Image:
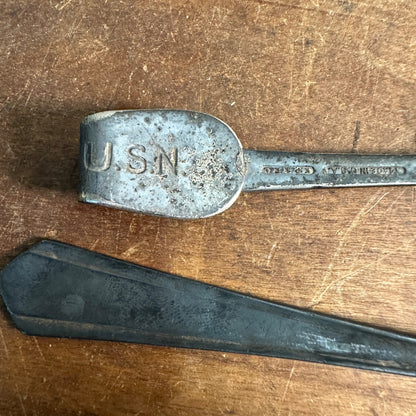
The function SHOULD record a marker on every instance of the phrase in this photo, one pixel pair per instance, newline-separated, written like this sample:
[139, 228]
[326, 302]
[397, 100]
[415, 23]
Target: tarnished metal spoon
[184, 164]
[58, 290]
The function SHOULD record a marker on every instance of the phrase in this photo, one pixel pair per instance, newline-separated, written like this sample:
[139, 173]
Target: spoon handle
[268, 170]
[54, 289]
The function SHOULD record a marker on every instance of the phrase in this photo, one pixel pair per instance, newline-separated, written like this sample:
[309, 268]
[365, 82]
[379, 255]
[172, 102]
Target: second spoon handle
[54, 289]
[268, 170]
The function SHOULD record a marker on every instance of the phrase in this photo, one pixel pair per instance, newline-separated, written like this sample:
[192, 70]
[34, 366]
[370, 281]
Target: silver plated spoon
[189, 165]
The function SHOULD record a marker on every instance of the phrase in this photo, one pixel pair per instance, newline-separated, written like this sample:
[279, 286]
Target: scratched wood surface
[318, 75]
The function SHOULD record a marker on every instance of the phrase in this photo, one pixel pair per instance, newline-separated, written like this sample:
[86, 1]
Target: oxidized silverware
[54, 289]
[183, 164]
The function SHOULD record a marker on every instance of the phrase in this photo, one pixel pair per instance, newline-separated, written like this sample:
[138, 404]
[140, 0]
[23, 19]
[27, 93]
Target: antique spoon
[185, 164]
[54, 289]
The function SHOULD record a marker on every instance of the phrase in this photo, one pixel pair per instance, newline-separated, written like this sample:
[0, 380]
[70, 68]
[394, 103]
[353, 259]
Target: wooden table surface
[300, 75]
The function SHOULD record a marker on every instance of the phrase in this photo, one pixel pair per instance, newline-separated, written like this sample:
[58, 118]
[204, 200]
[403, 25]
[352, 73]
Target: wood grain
[323, 75]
